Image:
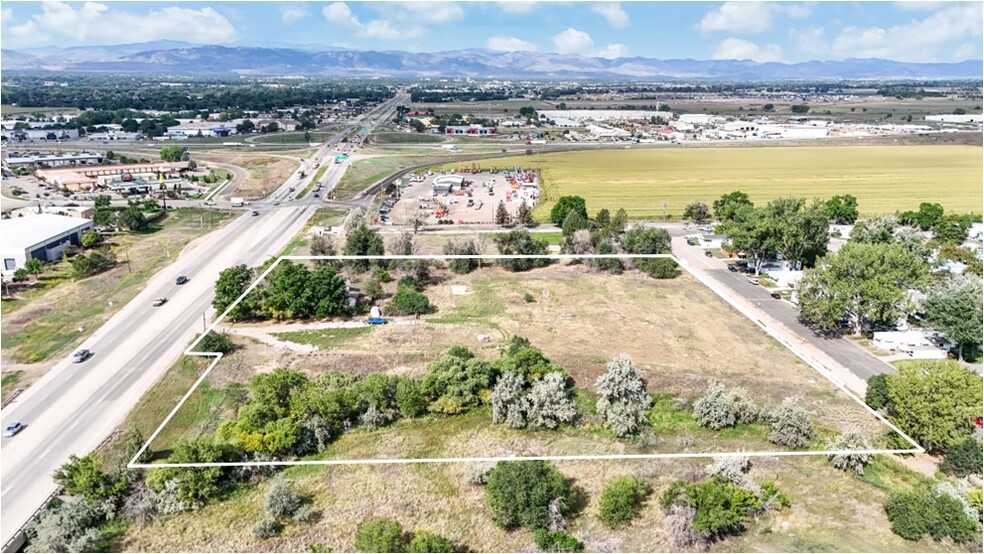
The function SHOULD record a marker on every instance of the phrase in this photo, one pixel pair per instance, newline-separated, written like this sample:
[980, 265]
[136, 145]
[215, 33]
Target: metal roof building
[41, 236]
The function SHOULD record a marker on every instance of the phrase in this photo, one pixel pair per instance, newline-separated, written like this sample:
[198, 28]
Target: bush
[659, 268]
[303, 514]
[96, 262]
[548, 403]
[519, 493]
[914, 514]
[408, 301]
[266, 528]
[379, 535]
[464, 248]
[216, 342]
[556, 541]
[507, 401]
[91, 238]
[791, 426]
[732, 468]
[454, 384]
[409, 399]
[963, 458]
[720, 408]
[68, 527]
[520, 242]
[425, 542]
[528, 298]
[477, 473]
[624, 400]
[720, 508]
[621, 500]
[279, 500]
[877, 394]
[85, 478]
[564, 206]
[855, 462]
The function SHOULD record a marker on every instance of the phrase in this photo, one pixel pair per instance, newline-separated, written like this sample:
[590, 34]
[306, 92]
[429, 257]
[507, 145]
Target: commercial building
[39, 237]
[446, 184]
[478, 130]
[90, 177]
[17, 159]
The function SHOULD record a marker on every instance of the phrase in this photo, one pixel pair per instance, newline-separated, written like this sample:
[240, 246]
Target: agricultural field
[883, 178]
[680, 335]
[46, 320]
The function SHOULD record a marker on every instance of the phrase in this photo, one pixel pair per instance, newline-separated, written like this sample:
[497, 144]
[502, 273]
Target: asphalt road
[859, 361]
[74, 407]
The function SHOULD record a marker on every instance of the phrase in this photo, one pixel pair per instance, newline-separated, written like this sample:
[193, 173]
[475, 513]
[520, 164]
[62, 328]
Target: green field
[883, 178]
[405, 138]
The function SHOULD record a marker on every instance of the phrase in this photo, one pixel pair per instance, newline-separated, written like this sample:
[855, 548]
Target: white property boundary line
[816, 365]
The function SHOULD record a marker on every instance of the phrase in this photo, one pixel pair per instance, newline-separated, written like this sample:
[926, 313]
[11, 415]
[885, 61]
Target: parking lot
[473, 202]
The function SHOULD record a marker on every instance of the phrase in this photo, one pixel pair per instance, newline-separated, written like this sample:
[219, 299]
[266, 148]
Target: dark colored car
[181, 280]
[776, 295]
[255, 213]
[708, 253]
[732, 269]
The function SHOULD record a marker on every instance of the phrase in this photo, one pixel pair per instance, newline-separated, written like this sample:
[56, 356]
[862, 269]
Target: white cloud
[292, 12]
[920, 6]
[509, 44]
[740, 49]
[400, 13]
[612, 12]
[28, 31]
[737, 17]
[517, 7]
[340, 15]
[613, 51]
[939, 36]
[93, 19]
[811, 40]
[750, 17]
[6, 15]
[573, 41]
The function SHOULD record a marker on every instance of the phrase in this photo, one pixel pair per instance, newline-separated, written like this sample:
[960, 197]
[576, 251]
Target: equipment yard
[460, 198]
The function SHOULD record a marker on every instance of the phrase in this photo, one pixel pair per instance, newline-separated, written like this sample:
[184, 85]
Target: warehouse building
[42, 237]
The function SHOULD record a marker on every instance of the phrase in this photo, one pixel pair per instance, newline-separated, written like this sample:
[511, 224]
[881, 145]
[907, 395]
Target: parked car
[376, 321]
[182, 279]
[708, 253]
[13, 429]
[81, 355]
[753, 280]
[158, 302]
[732, 268]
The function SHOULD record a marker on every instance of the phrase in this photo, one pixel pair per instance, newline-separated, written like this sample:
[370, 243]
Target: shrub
[477, 473]
[303, 514]
[520, 242]
[659, 268]
[408, 301]
[90, 239]
[877, 394]
[216, 342]
[621, 500]
[548, 403]
[453, 384]
[85, 478]
[720, 408]
[732, 468]
[528, 298]
[519, 493]
[464, 248]
[791, 426]
[507, 400]
[720, 508]
[624, 400]
[425, 542]
[564, 206]
[409, 399]
[279, 500]
[855, 462]
[379, 535]
[556, 541]
[68, 527]
[941, 515]
[963, 458]
[266, 528]
[193, 484]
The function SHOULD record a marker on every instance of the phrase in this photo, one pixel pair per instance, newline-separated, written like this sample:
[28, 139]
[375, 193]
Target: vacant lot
[883, 178]
[264, 173]
[51, 318]
[363, 173]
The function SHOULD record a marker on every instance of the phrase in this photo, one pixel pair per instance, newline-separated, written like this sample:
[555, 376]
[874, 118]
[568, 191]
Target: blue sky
[761, 31]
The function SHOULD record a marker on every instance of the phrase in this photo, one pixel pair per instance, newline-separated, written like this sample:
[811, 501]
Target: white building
[918, 343]
[446, 184]
[955, 118]
[43, 237]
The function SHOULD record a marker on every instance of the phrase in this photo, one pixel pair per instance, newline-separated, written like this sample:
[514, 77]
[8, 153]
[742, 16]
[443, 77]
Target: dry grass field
[264, 173]
[883, 178]
[679, 333]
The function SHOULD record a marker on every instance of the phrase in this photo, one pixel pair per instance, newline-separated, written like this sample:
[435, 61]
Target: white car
[13, 429]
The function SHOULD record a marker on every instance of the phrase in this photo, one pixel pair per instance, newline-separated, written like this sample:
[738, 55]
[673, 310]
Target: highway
[74, 407]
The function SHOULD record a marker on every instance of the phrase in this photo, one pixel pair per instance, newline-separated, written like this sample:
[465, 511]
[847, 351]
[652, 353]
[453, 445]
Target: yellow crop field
[883, 178]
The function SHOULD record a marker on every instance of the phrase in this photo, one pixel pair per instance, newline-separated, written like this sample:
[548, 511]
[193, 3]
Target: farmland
[883, 178]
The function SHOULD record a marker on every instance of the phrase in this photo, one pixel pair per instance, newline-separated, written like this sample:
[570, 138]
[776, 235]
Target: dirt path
[265, 332]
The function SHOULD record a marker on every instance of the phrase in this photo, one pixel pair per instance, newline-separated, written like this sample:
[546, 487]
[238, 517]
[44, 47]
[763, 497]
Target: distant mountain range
[174, 57]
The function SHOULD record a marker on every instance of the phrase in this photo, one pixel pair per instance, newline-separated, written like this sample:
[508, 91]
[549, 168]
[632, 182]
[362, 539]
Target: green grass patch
[327, 217]
[293, 138]
[889, 475]
[324, 339]
[405, 138]
[364, 173]
[480, 306]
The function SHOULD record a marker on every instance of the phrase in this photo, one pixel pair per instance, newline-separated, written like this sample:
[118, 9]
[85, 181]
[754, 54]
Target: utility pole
[204, 323]
[128, 268]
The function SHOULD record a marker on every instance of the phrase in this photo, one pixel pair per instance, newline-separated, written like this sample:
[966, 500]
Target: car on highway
[13, 429]
[81, 356]
[753, 280]
[776, 295]
[182, 279]
[158, 302]
[255, 213]
[708, 253]
[732, 268]
[276, 203]
[210, 202]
